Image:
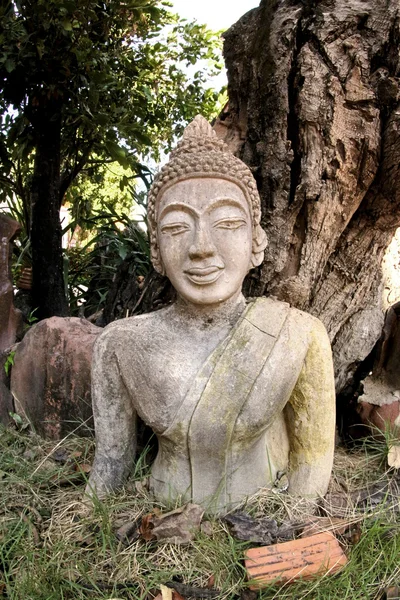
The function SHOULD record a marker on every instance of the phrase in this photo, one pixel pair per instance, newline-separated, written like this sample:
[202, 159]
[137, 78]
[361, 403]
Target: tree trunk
[48, 291]
[314, 111]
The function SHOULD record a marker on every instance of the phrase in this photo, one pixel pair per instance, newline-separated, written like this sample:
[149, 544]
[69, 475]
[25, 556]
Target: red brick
[304, 558]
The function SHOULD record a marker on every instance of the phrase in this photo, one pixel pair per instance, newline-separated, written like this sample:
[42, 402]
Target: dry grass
[52, 546]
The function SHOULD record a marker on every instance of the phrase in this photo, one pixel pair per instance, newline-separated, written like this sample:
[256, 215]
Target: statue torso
[159, 358]
[162, 360]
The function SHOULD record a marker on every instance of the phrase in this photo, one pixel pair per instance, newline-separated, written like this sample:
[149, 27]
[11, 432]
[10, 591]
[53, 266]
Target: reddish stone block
[51, 376]
[304, 558]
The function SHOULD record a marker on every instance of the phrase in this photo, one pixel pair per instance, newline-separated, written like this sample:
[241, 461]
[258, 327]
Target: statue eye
[175, 228]
[231, 223]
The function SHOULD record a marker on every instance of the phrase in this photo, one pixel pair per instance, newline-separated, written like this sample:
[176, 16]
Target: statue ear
[260, 242]
[156, 259]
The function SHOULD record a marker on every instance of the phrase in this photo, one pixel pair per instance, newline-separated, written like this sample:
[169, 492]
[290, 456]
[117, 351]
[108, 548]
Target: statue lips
[204, 275]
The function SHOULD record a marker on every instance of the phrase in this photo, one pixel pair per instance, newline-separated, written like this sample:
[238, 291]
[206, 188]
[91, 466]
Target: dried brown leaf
[175, 527]
[166, 592]
[391, 593]
[128, 533]
[83, 468]
[394, 457]
[146, 527]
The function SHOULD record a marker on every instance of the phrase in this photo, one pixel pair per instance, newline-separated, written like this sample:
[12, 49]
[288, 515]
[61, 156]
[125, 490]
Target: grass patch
[53, 547]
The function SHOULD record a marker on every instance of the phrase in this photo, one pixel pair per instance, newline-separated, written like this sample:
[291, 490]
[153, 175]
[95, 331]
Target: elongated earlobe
[260, 242]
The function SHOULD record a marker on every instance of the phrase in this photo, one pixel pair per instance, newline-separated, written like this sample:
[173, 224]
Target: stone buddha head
[204, 218]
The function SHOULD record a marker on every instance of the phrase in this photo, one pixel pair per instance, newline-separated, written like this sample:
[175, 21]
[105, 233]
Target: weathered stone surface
[380, 418]
[234, 392]
[10, 318]
[51, 378]
[379, 405]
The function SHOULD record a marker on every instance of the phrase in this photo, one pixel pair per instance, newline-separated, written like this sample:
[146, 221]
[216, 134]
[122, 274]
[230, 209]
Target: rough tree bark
[314, 111]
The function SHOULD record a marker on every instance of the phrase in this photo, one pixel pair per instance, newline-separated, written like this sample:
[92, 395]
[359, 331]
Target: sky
[217, 14]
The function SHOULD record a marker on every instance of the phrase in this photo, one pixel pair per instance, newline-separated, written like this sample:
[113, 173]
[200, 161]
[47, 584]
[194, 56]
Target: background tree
[314, 111]
[83, 82]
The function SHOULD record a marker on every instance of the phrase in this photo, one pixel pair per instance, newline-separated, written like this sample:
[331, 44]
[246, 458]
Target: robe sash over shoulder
[206, 425]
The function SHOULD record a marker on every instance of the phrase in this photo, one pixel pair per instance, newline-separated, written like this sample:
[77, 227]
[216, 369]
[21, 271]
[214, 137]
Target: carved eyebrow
[178, 206]
[226, 202]
[215, 204]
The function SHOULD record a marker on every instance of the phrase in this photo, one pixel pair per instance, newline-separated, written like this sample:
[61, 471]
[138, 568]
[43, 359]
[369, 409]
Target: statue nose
[202, 245]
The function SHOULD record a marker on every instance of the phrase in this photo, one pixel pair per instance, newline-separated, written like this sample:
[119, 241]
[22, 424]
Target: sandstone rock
[379, 406]
[51, 378]
[10, 318]
[379, 417]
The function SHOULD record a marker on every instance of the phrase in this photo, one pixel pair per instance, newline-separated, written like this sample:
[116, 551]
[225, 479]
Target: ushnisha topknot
[200, 153]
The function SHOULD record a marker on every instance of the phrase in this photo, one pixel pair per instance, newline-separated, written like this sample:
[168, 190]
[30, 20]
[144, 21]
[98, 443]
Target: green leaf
[67, 25]
[9, 65]
[122, 251]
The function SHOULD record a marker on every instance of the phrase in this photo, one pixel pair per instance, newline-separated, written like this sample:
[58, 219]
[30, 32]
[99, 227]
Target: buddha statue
[235, 390]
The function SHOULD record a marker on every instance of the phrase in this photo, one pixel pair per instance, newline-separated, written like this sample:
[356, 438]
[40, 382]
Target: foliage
[111, 187]
[9, 361]
[21, 246]
[115, 72]
[91, 268]
[84, 83]
[52, 546]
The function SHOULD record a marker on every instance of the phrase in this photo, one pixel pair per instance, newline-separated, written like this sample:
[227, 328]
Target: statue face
[205, 239]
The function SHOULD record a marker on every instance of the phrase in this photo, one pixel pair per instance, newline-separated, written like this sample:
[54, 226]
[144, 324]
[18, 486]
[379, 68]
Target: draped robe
[256, 405]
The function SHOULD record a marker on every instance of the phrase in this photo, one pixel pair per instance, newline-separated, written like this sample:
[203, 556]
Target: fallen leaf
[394, 457]
[390, 593]
[128, 533]
[393, 593]
[146, 527]
[60, 455]
[211, 581]
[206, 528]
[175, 527]
[75, 454]
[189, 591]
[259, 531]
[355, 533]
[141, 486]
[166, 592]
[336, 503]
[83, 468]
